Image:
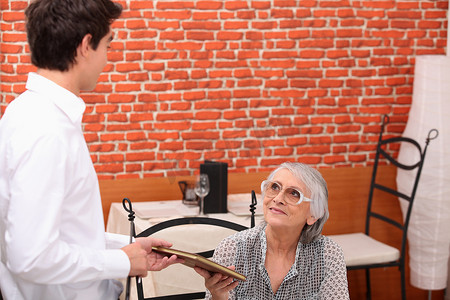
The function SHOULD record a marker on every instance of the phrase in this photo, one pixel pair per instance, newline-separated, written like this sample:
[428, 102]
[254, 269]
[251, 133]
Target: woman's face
[278, 213]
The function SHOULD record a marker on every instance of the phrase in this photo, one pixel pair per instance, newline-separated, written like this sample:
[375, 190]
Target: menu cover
[195, 260]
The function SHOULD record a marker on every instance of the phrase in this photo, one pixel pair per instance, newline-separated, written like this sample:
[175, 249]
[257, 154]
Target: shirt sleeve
[116, 241]
[335, 285]
[34, 250]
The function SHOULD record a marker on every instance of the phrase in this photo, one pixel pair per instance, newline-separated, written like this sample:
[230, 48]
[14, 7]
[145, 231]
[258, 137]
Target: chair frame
[380, 152]
[185, 221]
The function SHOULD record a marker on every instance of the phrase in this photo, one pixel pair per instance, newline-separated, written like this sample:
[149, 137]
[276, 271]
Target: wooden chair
[361, 251]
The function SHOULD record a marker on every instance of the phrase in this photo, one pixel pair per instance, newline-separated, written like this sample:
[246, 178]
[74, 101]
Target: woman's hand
[218, 284]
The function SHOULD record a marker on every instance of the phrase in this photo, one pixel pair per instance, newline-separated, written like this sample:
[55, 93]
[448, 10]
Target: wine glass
[202, 189]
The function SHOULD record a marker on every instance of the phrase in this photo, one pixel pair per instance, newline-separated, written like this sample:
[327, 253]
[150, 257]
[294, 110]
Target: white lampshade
[429, 228]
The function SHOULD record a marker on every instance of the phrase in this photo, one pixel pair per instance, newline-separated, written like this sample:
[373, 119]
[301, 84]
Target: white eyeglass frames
[291, 195]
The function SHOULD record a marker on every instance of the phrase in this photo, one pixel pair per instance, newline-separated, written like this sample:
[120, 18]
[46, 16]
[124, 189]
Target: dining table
[192, 238]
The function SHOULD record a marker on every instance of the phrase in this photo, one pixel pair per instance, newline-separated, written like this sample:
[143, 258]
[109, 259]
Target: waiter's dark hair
[55, 28]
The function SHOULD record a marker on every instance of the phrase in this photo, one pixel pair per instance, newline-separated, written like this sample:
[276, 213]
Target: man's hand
[138, 259]
[143, 259]
[157, 261]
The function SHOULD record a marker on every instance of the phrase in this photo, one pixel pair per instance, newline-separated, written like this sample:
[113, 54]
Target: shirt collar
[68, 102]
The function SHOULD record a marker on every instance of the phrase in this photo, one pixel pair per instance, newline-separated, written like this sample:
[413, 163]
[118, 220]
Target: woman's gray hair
[317, 186]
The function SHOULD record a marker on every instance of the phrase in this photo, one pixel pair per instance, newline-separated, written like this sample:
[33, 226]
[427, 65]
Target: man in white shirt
[52, 239]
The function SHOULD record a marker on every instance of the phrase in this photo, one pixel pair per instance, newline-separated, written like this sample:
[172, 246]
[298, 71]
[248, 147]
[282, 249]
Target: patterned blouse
[319, 271]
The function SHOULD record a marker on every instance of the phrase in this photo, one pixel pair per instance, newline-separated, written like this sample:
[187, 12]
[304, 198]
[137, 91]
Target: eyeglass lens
[291, 195]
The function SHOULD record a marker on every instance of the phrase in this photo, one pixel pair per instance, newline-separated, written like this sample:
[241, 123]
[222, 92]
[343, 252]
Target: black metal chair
[190, 221]
[364, 252]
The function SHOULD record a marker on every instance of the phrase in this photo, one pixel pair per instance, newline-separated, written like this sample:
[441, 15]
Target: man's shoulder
[28, 103]
[30, 117]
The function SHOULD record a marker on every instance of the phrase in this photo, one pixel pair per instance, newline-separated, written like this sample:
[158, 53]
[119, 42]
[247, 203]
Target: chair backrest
[185, 221]
[382, 153]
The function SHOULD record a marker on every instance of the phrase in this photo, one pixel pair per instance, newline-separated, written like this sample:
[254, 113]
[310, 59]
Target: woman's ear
[311, 220]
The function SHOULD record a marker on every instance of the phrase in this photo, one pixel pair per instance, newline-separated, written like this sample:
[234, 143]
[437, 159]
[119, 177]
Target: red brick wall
[252, 83]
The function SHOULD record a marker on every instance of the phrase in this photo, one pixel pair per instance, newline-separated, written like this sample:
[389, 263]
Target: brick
[199, 145]
[200, 135]
[221, 144]
[248, 54]
[102, 148]
[312, 130]
[163, 25]
[173, 125]
[229, 35]
[207, 115]
[190, 96]
[283, 151]
[317, 43]
[109, 168]
[12, 16]
[402, 24]
[379, 24]
[336, 73]
[158, 87]
[136, 136]
[252, 144]
[209, 5]
[199, 35]
[94, 127]
[282, 13]
[140, 45]
[272, 161]
[231, 115]
[280, 121]
[236, 5]
[429, 24]
[111, 158]
[215, 155]
[250, 153]
[247, 14]
[318, 21]
[290, 24]
[234, 134]
[298, 34]
[106, 137]
[303, 83]
[143, 145]
[127, 87]
[327, 83]
[334, 159]
[176, 14]
[174, 146]
[246, 93]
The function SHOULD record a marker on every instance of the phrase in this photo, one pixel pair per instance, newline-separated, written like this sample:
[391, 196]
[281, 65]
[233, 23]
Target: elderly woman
[285, 257]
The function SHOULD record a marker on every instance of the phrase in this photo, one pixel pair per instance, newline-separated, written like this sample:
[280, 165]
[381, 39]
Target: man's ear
[311, 220]
[85, 46]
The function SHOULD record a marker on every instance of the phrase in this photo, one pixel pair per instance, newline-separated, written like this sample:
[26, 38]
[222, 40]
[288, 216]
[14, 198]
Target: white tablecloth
[192, 238]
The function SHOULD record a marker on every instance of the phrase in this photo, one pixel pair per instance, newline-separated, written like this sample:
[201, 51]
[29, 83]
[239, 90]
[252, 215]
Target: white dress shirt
[53, 242]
